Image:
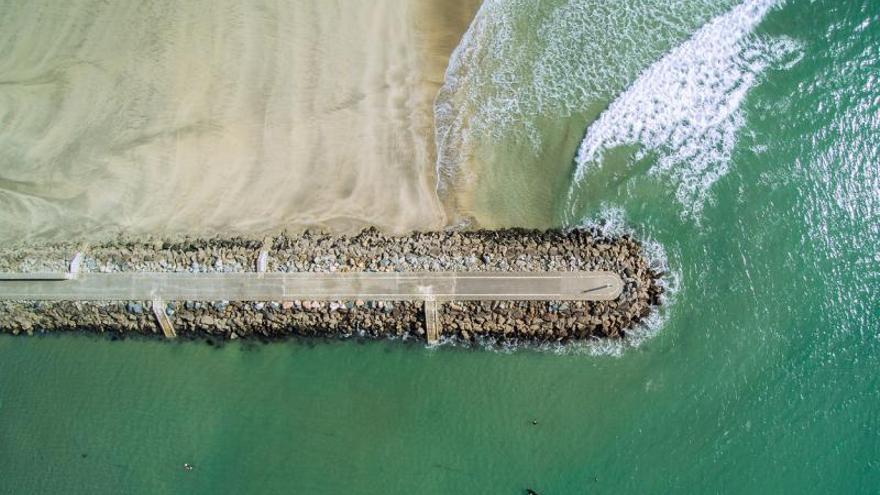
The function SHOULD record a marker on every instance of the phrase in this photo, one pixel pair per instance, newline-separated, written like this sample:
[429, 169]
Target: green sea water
[762, 376]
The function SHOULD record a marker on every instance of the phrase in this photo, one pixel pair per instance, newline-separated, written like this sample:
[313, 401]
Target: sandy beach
[205, 117]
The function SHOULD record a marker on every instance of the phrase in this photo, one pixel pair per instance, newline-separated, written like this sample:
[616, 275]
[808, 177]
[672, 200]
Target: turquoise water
[763, 378]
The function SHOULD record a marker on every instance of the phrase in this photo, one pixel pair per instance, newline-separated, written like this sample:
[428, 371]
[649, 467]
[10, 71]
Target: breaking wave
[524, 60]
[686, 109]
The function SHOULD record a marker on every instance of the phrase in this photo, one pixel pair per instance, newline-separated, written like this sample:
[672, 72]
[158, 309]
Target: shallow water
[523, 85]
[762, 379]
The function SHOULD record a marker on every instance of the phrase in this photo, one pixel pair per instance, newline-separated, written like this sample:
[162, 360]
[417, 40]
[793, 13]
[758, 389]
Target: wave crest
[524, 60]
[686, 108]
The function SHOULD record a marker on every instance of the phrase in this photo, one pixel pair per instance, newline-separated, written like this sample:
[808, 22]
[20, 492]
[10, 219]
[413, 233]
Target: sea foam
[686, 109]
[526, 60]
[611, 221]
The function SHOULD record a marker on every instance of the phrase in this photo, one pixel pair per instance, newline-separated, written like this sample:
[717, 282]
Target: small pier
[432, 325]
[162, 319]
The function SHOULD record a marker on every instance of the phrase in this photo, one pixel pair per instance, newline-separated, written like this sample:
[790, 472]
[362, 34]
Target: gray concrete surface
[402, 286]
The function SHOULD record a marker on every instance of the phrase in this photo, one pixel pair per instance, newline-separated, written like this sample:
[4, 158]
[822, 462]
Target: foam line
[524, 61]
[686, 109]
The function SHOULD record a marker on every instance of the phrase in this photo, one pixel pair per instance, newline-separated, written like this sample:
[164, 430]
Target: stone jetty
[510, 250]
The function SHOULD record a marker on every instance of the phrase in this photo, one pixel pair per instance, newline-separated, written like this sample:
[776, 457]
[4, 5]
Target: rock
[370, 250]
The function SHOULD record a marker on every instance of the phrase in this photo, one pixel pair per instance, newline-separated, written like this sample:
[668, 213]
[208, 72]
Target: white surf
[687, 108]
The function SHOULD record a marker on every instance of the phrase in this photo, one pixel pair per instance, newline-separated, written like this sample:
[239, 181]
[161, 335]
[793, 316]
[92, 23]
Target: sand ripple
[208, 116]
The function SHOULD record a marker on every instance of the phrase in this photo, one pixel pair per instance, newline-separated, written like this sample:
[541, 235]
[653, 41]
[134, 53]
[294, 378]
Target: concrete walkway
[403, 286]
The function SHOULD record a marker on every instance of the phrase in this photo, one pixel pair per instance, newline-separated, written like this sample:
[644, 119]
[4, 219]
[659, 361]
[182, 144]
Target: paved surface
[406, 286]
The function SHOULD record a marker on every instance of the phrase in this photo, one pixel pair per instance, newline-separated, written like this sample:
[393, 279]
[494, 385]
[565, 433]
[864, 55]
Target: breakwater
[519, 316]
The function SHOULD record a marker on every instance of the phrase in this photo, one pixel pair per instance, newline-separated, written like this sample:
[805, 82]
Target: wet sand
[220, 117]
